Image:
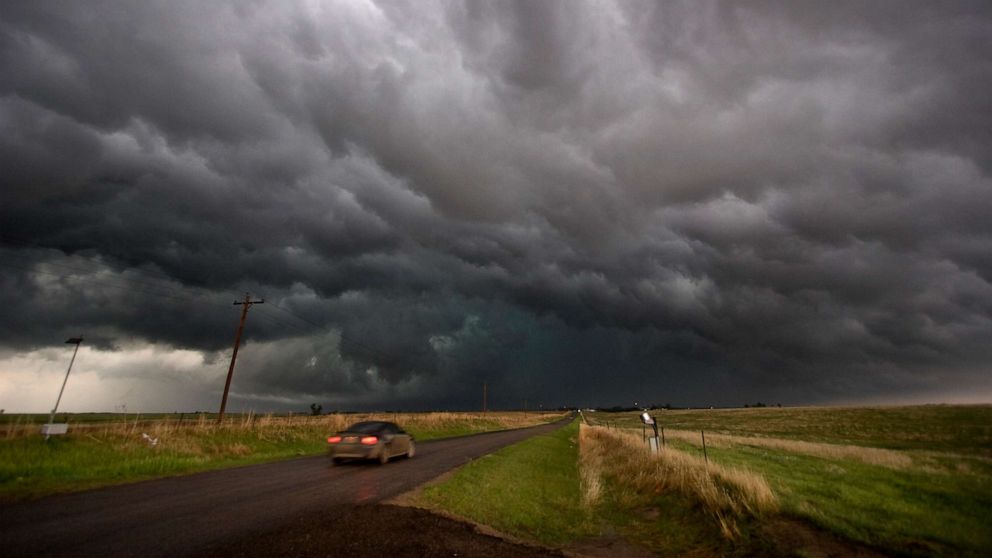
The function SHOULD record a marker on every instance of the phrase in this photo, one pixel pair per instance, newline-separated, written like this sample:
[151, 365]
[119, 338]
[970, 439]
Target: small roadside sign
[57, 429]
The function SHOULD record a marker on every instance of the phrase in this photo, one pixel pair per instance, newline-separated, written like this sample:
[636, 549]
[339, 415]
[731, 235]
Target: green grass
[95, 454]
[940, 505]
[31, 467]
[911, 512]
[529, 490]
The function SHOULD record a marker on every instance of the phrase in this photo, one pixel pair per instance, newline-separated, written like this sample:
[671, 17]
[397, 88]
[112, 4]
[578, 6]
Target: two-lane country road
[181, 516]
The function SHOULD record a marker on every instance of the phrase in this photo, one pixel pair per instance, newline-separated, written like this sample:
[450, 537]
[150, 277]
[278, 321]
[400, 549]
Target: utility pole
[246, 304]
[484, 394]
[50, 428]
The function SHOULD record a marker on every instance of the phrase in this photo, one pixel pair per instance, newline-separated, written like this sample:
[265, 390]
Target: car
[374, 439]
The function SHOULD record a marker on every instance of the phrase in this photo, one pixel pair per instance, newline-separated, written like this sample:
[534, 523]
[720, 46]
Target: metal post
[76, 341]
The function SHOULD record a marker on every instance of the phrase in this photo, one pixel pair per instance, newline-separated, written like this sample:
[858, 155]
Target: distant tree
[315, 409]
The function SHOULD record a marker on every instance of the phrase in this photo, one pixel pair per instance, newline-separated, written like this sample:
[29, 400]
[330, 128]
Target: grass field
[963, 429]
[907, 480]
[99, 451]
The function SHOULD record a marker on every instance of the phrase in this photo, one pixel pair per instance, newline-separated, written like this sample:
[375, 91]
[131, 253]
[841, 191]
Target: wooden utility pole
[484, 394]
[237, 343]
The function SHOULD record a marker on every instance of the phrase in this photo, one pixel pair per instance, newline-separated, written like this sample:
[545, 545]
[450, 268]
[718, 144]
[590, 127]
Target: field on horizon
[99, 450]
[913, 480]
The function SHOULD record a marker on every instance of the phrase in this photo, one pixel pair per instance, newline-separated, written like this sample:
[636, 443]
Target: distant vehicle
[370, 440]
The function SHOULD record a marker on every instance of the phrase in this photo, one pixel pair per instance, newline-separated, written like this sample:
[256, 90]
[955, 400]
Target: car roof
[371, 425]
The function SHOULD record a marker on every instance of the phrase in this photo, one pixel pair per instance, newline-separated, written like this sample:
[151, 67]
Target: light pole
[49, 430]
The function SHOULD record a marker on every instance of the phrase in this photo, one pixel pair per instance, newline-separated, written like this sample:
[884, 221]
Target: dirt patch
[376, 531]
[788, 537]
[607, 547]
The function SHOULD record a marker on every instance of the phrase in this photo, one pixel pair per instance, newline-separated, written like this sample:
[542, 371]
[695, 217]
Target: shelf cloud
[695, 203]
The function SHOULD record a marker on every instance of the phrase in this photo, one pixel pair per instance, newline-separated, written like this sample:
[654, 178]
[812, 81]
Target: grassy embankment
[908, 481]
[568, 487]
[531, 490]
[106, 452]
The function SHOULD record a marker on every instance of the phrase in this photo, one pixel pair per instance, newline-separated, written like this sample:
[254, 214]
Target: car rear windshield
[365, 427]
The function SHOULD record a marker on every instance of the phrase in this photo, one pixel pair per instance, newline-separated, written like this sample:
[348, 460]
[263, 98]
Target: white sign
[646, 418]
[54, 429]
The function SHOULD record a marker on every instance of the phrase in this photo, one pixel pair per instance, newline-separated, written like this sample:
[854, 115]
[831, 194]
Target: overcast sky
[584, 203]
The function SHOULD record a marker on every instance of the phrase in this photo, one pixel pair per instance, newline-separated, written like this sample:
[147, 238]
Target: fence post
[662, 436]
[705, 458]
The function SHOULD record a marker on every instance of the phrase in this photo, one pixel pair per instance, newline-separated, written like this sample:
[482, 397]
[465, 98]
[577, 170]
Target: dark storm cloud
[714, 202]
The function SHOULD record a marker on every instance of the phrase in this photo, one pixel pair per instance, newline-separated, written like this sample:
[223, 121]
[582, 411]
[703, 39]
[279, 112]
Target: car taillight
[369, 440]
[333, 439]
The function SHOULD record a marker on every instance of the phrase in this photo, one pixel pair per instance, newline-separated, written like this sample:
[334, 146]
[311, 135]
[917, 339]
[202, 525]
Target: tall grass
[637, 475]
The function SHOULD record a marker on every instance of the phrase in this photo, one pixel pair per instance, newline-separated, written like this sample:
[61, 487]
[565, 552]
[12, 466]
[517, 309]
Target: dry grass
[635, 474]
[590, 468]
[275, 427]
[872, 456]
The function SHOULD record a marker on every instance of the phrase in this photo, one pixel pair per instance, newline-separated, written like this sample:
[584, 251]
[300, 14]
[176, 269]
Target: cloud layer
[587, 203]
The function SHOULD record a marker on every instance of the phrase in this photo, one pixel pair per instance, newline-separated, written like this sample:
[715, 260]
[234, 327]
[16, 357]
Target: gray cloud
[691, 202]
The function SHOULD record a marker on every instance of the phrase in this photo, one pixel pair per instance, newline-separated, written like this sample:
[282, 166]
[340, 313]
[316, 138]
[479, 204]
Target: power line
[283, 323]
[297, 316]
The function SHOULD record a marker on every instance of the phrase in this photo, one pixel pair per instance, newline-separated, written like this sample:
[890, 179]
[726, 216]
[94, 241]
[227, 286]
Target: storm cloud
[583, 203]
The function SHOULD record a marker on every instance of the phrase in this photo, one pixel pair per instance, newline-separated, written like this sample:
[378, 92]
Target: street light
[51, 429]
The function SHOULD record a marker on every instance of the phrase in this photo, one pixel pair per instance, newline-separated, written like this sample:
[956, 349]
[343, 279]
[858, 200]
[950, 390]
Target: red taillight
[333, 439]
[369, 440]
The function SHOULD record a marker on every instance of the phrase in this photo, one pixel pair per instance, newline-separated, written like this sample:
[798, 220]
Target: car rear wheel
[384, 456]
[412, 450]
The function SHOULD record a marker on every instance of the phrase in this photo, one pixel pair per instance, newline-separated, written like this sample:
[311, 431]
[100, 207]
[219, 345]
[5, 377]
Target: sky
[587, 203]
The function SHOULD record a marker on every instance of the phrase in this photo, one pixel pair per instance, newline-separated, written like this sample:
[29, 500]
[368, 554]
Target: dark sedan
[370, 440]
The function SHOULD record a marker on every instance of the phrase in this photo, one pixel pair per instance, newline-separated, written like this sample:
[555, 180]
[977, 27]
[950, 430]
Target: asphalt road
[189, 515]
